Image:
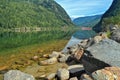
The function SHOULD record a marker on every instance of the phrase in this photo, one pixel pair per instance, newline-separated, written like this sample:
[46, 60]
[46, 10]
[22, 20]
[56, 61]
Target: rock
[4, 69]
[103, 35]
[73, 78]
[115, 35]
[78, 54]
[97, 39]
[76, 70]
[46, 56]
[101, 55]
[73, 49]
[75, 66]
[63, 59]
[86, 77]
[83, 43]
[51, 76]
[73, 41]
[55, 54]
[48, 61]
[63, 74]
[43, 76]
[108, 73]
[17, 75]
[62, 55]
[89, 43]
[35, 58]
[113, 27]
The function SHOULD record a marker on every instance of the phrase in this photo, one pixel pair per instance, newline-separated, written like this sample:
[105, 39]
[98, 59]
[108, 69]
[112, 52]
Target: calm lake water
[11, 40]
[79, 36]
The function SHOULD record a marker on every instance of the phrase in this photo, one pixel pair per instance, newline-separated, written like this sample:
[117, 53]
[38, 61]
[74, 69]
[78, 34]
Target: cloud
[84, 7]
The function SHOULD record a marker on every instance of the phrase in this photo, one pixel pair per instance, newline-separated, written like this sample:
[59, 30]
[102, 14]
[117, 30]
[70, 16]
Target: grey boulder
[17, 75]
[105, 53]
[115, 35]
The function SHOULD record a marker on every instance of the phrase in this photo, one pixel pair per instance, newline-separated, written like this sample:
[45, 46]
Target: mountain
[111, 17]
[32, 13]
[88, 21]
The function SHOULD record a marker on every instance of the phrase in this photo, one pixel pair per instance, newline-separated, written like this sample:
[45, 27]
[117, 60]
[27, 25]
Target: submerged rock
[51, 76]
[55, 54]
[48, 61]
[35, 58]
[17, 75]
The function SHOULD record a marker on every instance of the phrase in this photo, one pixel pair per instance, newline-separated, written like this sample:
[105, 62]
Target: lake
[79, 36]
[12, 40]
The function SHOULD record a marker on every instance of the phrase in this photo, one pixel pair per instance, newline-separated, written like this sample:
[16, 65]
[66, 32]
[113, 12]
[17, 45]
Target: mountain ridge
[111, 17]
[87, 21]
[32, 13]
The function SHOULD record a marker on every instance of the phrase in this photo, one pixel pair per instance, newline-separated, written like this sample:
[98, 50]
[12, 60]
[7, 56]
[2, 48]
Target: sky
[81, 8]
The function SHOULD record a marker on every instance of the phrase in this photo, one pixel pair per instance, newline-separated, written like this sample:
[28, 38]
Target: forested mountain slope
[32, 13]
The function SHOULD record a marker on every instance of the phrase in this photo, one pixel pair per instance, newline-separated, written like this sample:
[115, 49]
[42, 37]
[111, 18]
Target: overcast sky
[79, 8]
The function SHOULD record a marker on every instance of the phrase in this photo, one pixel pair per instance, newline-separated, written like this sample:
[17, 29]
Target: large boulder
[115, 35]
[100, 55]
[17, 75]
[108, 73]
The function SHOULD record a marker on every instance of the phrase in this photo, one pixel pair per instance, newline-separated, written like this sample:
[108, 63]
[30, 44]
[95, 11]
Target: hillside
[32, 13]
[111, 17]
[88, 21]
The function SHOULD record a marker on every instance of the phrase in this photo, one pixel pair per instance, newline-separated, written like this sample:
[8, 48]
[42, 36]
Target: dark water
[84, 34]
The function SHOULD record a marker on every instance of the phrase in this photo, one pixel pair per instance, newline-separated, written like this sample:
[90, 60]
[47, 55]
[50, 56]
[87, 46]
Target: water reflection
[84, 34]
[78, 37]
[10, 40]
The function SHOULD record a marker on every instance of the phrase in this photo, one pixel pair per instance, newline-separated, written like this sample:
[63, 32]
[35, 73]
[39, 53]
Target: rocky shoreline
[96, 58]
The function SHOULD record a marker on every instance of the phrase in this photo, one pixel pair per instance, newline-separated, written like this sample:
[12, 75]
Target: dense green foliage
[112, 16]
[32, 13]
[88, 21]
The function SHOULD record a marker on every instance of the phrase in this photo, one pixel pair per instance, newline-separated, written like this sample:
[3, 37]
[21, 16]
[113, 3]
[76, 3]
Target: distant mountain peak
[87, 21]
